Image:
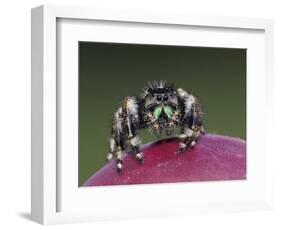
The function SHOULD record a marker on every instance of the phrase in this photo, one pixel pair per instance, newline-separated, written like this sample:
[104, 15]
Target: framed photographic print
[140, 114]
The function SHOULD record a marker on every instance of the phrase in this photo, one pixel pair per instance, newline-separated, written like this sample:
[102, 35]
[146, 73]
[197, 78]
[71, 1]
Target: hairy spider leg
[131, 106]
[192, 122]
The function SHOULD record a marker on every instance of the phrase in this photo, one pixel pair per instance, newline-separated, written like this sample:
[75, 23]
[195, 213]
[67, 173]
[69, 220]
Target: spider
[161, 108]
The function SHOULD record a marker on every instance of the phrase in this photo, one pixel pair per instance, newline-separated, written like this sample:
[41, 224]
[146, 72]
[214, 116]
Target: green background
[108, 72]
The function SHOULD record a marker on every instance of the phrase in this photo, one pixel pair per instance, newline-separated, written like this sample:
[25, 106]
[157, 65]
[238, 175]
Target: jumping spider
[162, 109]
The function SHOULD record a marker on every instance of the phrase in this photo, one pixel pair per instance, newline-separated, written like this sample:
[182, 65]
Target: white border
[70, 32]
[44, 85]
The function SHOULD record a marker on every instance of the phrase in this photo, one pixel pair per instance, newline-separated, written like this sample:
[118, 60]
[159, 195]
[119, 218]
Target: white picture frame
[56, 197]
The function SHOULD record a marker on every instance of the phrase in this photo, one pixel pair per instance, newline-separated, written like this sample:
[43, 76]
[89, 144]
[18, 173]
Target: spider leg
[188, 139]
[119, 161]
[115, 151]
[192, 122]
[132, 120]
[117, 139]
[135, 144]
[125, 125]
[112, 149]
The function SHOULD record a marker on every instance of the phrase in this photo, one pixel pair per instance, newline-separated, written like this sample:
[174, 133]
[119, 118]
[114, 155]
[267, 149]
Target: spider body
[162, 109]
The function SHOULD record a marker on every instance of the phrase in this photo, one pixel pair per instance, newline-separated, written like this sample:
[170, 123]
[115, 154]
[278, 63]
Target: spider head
[161, 100]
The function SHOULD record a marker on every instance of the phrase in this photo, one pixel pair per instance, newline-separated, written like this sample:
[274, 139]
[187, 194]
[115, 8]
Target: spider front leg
[131, 108]
[188, 139]
[115, 151]
[117, 139]
[135, 145]
[192, 124]
[125, 124]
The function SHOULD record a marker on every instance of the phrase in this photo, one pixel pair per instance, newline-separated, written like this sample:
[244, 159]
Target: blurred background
[108, 72]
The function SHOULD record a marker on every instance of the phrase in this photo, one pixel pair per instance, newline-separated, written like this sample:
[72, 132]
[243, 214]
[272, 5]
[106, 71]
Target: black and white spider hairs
[161, 108]
[148, 88]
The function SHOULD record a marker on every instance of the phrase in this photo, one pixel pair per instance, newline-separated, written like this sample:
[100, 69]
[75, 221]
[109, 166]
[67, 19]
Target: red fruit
[213, 158]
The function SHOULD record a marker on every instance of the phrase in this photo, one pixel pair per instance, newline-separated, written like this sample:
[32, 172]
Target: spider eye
[149, 90]
[166, 97]
[159, 98]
